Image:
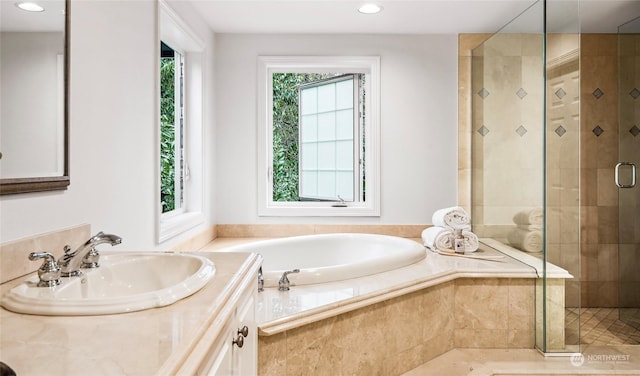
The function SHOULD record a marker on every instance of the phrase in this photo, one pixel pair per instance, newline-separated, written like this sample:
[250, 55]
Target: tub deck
[281, 311]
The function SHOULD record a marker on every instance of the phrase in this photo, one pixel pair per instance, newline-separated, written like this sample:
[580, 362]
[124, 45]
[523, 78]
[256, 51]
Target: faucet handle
[260, 280]
[283, 283]
[49, 272]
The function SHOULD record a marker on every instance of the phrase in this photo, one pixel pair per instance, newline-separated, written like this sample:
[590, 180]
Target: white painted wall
[113, 130]
[418, 121]
[113, 125]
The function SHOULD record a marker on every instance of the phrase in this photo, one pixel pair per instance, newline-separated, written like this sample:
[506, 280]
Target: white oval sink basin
[124, 282]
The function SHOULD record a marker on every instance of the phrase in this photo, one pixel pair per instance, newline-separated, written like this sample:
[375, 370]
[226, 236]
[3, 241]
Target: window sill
[178, 224]
[300, 209]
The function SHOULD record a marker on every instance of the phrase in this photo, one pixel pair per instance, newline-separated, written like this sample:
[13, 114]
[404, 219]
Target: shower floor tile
[601, 326]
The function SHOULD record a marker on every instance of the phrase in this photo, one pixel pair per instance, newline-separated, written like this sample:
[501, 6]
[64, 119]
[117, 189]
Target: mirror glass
[33, 81]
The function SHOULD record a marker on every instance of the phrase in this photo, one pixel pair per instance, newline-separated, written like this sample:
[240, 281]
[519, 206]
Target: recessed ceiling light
[29, 7]
[370, 9]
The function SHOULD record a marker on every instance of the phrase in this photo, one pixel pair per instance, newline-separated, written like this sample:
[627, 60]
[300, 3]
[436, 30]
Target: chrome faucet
[71, 262]
[260, 280]
[283, 283]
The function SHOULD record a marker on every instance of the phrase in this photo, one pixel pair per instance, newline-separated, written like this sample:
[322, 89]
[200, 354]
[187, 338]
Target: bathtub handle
[260, 280]
[283, 283]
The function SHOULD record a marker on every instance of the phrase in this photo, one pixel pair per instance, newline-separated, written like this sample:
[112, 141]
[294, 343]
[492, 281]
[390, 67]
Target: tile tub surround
[150, 342]
[14, 261]
[399, 334]
[451, 302]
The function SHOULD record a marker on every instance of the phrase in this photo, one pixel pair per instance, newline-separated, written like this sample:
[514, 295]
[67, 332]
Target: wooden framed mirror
[34, 77]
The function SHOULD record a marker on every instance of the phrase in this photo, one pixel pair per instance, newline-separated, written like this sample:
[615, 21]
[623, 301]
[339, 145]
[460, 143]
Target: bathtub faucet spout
[283, 283]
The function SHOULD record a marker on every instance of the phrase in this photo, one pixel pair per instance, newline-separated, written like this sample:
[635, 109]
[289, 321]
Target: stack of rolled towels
[527, 236]
[445, 223]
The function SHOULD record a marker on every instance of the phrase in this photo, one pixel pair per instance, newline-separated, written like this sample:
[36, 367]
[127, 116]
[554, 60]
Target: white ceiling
[13, 18]
[397, 17]
[341, 16]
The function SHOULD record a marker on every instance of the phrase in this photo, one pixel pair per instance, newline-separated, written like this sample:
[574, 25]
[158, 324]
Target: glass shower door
[626, 169]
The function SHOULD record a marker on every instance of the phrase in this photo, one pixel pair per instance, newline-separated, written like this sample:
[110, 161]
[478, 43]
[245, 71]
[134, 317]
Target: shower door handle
[633, 175]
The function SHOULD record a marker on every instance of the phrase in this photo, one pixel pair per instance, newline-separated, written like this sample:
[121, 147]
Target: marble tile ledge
[281, 311]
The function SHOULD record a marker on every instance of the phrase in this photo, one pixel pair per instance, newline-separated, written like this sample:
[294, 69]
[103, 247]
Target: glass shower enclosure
[625, 174]
[526, 155]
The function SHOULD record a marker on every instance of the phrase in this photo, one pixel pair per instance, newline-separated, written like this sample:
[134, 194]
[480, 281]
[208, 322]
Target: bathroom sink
[124, 282]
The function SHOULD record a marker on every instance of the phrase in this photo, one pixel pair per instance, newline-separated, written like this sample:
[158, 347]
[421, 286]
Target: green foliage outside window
[167, 134]
[285, 132]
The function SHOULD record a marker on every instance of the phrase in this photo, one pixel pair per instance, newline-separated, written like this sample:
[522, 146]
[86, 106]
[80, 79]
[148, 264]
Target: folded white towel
[436, 238]
[529, 217]
[528, 241]
[454, 217]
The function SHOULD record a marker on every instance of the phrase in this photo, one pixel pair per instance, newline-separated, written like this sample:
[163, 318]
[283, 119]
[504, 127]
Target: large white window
[318, 129]
[179, 126]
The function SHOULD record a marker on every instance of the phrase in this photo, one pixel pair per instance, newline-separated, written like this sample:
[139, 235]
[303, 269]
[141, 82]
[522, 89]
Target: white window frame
[267, 65]
[178, 35]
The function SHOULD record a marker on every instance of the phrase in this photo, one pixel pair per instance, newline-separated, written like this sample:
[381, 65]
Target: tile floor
[609, 347]
[602, 326]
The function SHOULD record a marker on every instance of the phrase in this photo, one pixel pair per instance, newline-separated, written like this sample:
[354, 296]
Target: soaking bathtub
[332, 257]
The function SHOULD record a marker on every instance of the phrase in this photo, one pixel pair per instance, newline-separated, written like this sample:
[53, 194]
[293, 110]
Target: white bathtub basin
[332, 257]
[124, 282]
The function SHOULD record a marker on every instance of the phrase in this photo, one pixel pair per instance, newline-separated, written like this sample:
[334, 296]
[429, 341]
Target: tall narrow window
[172, 163]
[180, 143]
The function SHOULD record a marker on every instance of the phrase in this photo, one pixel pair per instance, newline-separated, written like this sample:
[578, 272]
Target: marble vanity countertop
[280, 311]
[153, 341]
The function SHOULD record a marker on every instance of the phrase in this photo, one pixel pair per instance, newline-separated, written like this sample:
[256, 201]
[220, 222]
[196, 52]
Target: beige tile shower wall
[510, 111]
[397, 335]
[466, 44]
[14, 260]
[563, 158]
[599, 154]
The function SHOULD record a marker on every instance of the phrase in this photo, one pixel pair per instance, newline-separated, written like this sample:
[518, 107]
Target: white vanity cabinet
[235, 350]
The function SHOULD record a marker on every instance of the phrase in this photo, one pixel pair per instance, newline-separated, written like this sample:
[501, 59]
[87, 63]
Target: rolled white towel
[471, 242]
[528, 241]
[454, 217]
[530, 227]
[529, 217]
[436, 238]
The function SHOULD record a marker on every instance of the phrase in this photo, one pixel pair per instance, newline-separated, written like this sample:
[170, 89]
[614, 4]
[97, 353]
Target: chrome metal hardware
[71, 262]
[242, 333]
[340, 203]
[260, 280]
[91, 259]
[633, 175]
[283, 283]
[49, 273]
